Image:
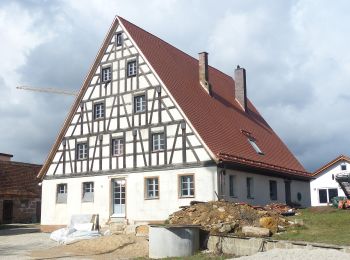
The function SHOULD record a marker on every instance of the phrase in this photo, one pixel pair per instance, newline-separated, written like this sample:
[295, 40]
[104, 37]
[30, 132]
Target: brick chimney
[203, 72]
[241, 87]
[5, 157]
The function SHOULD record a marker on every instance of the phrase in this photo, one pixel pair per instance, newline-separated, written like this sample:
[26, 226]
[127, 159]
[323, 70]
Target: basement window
[152, 188]
[88, 192]
[61, 193]
[106, 74]
[255, 146]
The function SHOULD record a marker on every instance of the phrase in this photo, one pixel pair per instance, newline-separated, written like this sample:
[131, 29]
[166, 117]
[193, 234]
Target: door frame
[113, 180]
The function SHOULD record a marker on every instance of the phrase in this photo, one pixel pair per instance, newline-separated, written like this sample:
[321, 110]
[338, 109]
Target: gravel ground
[17, 243]
[297, 254]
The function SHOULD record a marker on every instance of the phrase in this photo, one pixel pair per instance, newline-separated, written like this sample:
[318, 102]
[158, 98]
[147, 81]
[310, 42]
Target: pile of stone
[221, 217]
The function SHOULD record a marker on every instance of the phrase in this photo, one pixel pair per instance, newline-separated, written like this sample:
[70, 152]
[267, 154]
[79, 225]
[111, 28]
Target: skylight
[255, 146]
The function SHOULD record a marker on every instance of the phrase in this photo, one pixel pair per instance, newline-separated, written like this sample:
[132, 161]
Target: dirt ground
[29, 243]
[108, 247]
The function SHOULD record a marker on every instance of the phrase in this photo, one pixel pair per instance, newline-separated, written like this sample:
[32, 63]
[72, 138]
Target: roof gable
[340, 158]
[219, 119]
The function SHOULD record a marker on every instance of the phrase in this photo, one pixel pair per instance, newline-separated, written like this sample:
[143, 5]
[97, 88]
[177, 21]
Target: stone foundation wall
[249, 246]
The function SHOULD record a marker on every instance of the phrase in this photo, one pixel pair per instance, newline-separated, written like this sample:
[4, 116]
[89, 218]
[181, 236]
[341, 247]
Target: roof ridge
[20, 163]
[190, 56]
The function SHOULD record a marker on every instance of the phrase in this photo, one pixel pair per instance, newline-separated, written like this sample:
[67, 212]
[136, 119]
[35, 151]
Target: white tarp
[80, 228]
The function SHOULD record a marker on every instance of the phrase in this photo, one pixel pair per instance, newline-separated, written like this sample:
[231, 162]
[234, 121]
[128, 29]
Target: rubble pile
[221, 217]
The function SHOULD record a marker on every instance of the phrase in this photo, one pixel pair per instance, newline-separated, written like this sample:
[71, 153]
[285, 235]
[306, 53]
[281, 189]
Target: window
[140, 103]
[232, 180]
[331, 194]
[131, 68]
[343, 167]
[82, 151]
[88, 191]
[106, 74]
[61, 193]
[99, 110]
[119, 39]
[326, 195]
[322, 195]
[117, 146]
[187, 186]
[250, 188]
[158, 142]
[152, 188]
[255, 146]
[273, 190]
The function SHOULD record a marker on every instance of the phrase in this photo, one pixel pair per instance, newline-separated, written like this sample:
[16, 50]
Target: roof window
[255, 146]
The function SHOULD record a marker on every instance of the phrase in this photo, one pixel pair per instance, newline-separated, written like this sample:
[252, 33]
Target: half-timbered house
[153, 128]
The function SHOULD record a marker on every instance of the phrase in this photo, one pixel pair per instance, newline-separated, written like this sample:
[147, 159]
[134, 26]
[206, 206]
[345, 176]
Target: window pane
[323, 195]
[273, 190]
[332, 193]
[231, 185]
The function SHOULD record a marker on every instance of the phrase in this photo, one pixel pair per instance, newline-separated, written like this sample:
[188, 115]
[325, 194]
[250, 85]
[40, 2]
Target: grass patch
[321, 225]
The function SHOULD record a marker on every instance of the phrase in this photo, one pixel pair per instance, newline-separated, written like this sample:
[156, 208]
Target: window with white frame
[119, 39]
[131, 68]
[139, 103]
[250, 191]
[82, 151]
[99, 110]
[186, 186]
[61, 193]
[117, 146]
[255, 146]
[326, 195]
[273, 190]
[88, 191]
[158, 142]
[106, 74]
[232, 182]
[152, 188]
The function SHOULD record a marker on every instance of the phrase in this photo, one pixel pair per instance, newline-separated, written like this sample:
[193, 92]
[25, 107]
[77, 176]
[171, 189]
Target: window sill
[87, 201]
[130, 76]
[250, 198]
[99, 119]
[61, 202]
[155, 198]
[186, 197]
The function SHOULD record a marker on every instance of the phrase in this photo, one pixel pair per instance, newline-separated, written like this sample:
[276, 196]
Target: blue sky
[295, 52]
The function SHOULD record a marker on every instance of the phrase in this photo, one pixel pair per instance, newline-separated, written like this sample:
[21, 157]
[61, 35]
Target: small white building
[152, 129]
[324, 187]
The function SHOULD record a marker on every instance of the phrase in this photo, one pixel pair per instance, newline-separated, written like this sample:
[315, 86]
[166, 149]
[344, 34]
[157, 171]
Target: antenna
[48, 90]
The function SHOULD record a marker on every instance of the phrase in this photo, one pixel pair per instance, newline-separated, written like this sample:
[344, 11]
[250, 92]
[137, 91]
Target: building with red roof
[153, 128]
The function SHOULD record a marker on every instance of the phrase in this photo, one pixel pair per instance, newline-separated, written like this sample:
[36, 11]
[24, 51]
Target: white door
[118, 198]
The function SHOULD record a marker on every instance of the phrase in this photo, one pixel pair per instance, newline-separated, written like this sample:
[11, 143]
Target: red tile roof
[326, 166]
[219, 119]
[19, 179]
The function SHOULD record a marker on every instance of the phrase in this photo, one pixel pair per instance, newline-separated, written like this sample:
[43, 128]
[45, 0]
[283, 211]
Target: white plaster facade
[138, 208]
[325, 180]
